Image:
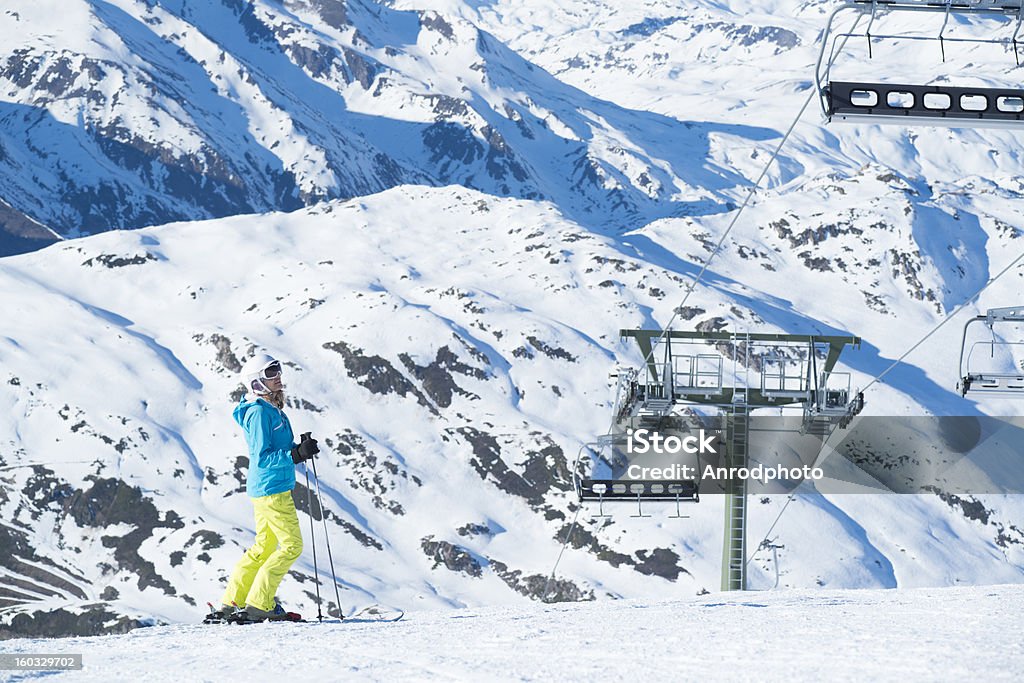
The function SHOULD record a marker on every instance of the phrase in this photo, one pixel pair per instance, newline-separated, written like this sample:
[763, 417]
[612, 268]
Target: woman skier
[273, 455]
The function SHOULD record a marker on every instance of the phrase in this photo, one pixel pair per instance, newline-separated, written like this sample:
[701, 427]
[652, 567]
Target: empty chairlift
[908, 104]
[995, 365]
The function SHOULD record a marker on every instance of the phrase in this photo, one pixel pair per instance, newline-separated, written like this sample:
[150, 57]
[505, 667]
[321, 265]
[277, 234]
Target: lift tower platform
[736, 373]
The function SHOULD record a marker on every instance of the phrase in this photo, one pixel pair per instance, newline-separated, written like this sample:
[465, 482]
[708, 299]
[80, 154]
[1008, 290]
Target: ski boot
[254, 615]
[219, 616]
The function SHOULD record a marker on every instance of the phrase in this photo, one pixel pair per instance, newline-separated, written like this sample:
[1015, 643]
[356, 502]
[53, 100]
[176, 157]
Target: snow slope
[452, 351]
[920, 634]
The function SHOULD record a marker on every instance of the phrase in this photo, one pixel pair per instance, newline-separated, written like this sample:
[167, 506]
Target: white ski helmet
[257, 370]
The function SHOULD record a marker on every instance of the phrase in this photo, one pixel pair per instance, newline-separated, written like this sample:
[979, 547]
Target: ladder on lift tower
[734, 575]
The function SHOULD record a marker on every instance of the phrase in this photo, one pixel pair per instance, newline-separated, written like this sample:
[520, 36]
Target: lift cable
[878, 378]
[956, 310]
[750, 195]
[707, 262]
[718, 247]
[568, 535]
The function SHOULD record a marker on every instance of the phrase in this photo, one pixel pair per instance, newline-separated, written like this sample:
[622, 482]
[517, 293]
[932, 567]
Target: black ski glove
[306, 449]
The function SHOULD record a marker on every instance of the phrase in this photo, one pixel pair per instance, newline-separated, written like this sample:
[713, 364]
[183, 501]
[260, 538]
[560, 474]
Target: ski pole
[327, 539]
[312, 542]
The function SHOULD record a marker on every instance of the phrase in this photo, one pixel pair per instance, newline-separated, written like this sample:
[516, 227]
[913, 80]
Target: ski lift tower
[688, 368]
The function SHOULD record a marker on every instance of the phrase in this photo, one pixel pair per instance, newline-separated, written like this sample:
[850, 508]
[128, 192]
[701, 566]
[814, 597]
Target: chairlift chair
[908, 104]
[602, 490]
[991, 381]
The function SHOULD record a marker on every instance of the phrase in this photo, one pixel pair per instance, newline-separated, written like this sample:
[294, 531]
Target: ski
[240, 617]
[370, 613]
[376, 613]
[243, 619]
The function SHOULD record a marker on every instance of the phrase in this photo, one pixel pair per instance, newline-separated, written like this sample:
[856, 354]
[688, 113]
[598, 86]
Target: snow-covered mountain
[452, 386]
[547, 175]
[125, 114]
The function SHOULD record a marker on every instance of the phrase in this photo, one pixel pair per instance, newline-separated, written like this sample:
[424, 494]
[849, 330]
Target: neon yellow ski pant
[278, 544]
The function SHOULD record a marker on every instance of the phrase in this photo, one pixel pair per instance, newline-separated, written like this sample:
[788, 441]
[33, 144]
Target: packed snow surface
[852, 635]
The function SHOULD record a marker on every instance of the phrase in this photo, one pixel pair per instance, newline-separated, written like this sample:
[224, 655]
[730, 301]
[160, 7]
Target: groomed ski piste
[969, 633]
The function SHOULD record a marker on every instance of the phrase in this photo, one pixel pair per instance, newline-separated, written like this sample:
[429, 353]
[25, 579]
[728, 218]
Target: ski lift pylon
[909, 104]
[686, 369]
[989, 380]
[684, 378]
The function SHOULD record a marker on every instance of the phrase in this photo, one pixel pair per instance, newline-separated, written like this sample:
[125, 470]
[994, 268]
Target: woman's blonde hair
[275, 398]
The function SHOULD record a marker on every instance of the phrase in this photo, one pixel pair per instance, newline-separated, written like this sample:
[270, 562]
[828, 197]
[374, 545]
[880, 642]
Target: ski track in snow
[967, 633]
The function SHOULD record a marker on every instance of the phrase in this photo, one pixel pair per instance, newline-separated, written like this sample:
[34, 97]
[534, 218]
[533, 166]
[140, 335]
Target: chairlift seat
[992, 383]
[933, 105]
[995, 6]
[973, 381]
[929, 105]
[684, 490]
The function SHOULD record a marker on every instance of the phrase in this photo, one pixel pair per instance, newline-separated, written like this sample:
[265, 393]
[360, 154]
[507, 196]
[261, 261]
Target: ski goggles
[271, 371]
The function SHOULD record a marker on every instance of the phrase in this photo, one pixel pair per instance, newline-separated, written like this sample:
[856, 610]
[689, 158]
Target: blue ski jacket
[270, 439]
